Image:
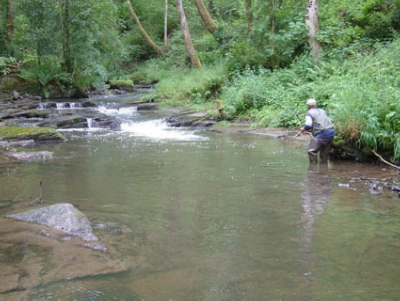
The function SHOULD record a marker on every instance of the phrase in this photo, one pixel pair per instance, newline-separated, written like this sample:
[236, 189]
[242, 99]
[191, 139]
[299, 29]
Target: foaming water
[158, 129]
[137, 125]
[114, 110]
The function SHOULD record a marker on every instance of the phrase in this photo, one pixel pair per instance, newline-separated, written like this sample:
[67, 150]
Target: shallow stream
[201, 215]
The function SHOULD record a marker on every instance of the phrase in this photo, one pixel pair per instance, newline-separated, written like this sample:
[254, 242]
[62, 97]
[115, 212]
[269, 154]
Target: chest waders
[321, 123]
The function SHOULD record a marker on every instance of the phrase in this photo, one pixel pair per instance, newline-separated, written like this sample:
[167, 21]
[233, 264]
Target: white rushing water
[159, 129]
[116, 111]
[133, 124]
[154, 129]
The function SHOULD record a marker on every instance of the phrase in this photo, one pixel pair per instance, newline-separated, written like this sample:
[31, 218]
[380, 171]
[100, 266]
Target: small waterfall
[61, 105]
[89, 122]
[75, 105]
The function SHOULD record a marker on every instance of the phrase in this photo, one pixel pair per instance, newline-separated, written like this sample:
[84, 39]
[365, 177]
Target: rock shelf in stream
[64, 217]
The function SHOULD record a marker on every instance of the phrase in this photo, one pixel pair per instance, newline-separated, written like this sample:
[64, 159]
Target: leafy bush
[189, 85]
[361, 95]
[45, 75]
[6, 64]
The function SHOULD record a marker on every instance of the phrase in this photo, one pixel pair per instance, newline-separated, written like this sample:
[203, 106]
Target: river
[203, 215]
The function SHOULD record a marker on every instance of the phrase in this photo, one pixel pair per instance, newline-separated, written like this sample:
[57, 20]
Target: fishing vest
[321, 121]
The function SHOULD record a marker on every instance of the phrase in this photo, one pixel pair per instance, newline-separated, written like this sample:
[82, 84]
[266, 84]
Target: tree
[313, 28]
[205, 16]
[66, 33]
[166, 26]
[186, 36]
[143, 31]
[249, 16]
[10, 20]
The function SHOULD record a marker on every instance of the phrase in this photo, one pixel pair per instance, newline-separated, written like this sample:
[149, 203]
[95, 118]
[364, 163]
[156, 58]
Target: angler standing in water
[321, 126]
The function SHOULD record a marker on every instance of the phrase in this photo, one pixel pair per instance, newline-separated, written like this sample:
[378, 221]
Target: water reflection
[316, 196]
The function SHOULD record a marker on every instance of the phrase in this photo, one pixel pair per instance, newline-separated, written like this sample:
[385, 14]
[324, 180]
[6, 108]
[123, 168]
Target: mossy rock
[126, 85]
[35, 133]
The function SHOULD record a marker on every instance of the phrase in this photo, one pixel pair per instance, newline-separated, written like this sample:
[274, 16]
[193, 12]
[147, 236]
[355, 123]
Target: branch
[383, 160]
[40, 194]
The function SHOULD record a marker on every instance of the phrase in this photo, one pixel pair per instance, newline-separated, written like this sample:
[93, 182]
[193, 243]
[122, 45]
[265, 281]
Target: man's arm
[308, 124]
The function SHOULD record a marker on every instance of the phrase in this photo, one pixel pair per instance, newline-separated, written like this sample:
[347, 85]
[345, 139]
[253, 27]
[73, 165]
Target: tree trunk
[142, 31]
[249, 16]
[10, 20]
[186, 35]
[274, 58]
[166, 26]
[66, 44]
[205, 16]
[313, 28]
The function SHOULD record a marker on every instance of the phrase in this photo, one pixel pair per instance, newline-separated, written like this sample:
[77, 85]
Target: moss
[338, 142]
[35, 133]
[121, 84]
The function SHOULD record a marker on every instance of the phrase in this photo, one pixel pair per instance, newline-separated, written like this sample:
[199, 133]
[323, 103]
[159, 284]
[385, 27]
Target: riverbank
[27, 111]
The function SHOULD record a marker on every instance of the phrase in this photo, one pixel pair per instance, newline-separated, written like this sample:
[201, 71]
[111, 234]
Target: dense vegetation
[256, 60]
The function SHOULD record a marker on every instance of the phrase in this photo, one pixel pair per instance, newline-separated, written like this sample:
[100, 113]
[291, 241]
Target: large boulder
[64, 217]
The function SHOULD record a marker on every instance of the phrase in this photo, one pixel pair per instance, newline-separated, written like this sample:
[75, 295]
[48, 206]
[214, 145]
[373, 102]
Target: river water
[202, 215]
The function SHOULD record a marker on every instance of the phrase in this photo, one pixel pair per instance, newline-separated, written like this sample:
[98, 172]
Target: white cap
[311, 102]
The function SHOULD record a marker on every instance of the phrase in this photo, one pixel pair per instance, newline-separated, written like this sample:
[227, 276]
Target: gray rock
[30, 156]
[64, 217]
[15, 95]
[147, 106]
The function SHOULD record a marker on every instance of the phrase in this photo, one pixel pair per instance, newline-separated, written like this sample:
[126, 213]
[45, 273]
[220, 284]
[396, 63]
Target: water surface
[200, 215]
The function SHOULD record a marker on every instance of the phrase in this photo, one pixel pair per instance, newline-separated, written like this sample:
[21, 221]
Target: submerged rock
[64, 217]
[33, 257]
[30, 156]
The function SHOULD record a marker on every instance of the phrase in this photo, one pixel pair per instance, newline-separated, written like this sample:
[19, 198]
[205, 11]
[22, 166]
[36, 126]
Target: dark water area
[200, 215]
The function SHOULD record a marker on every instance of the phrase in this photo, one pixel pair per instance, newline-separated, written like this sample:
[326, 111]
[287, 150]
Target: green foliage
[367, 106]
[345, 22]
[46, 75]
[361, 95]
[188, 85]
[80, 36]
[6, 64]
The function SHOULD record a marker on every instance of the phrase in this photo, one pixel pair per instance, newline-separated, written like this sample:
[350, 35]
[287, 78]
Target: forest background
[259, 60]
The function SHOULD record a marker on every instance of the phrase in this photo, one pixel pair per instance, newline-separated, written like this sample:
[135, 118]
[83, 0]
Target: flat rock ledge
[34, 256]
[64, 217]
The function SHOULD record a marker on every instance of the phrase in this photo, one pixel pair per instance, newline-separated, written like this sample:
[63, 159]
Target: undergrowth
[361, 94]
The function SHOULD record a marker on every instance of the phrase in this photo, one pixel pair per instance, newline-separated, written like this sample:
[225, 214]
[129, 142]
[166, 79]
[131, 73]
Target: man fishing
[322, 128]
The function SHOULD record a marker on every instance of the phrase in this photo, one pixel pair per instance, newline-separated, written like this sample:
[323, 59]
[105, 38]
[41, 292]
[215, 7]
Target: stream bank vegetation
[252, 60]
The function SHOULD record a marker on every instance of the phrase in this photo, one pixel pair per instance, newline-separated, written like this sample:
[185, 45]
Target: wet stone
[64, 217]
